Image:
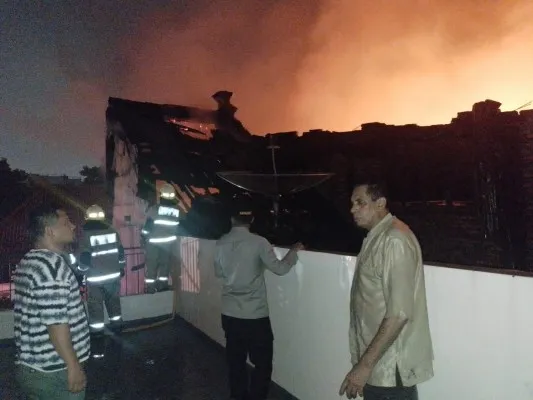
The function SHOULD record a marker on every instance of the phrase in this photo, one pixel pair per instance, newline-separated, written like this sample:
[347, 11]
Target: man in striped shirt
[51, 330]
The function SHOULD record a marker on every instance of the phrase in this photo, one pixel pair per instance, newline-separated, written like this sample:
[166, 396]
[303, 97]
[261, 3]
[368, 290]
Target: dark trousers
[100, 294]
[390, 393]
[399, 392]
[253, 338]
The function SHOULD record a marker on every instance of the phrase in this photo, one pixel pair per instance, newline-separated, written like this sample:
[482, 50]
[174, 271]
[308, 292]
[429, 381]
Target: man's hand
[76, 378]
[297, 246]
[355, 381]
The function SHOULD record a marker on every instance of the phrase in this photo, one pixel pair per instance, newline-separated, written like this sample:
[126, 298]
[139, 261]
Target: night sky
[331, 64]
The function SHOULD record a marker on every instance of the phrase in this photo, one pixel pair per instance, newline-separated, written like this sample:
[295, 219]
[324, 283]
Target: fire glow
[341, 63]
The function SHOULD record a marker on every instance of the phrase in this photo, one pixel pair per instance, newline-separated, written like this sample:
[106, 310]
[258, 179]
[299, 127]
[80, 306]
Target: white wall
[481, 323]
[6, 324]
[133, 308]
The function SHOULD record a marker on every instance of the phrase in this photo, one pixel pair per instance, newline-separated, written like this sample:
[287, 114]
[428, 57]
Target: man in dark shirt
[241, 259]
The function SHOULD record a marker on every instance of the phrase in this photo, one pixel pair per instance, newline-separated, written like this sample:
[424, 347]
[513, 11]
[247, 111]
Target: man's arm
[273, 263]
[149, 223]
[60, 338]
[85, 253]
[147, 227]
[398, 286]
[121, 256]
[217, 266]
[388, 332]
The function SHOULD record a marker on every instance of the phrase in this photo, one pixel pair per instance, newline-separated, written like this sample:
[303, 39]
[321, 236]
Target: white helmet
[95, 213]
[167, 191]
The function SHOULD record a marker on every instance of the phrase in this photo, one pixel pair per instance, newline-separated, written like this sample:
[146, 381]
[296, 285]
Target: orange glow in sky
[347, 63]
[417, 75]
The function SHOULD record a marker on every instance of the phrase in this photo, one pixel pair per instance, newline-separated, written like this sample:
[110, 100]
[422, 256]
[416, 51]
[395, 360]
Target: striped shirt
[47, 293]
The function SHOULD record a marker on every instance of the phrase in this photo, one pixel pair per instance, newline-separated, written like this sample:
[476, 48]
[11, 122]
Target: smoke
[413, 61]
[293, 65]
[335, 64]
[253, 49]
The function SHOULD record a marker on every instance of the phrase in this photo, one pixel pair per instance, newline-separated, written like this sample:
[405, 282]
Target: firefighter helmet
[95, 213]
[167, 191]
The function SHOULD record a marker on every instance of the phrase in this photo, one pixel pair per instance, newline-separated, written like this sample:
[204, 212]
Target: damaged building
[465, 188]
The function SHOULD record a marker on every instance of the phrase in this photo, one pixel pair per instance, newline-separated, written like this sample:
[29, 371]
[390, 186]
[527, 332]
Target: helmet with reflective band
[95, 213]
[167, 191]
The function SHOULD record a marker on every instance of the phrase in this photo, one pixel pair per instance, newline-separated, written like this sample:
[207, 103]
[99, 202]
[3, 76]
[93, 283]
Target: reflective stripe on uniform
[103, 278]
[103, 239]
[165, 222]
[168, 211]
[83, 268]
[163, 239]
[104, 252]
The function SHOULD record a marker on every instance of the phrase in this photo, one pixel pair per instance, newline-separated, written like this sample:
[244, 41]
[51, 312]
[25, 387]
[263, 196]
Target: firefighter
[102, 257]
[159, 235]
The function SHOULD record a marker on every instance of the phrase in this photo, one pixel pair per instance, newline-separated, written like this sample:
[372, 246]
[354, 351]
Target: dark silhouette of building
[465, 187]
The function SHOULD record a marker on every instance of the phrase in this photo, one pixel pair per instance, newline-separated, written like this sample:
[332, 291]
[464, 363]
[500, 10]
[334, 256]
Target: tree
[10, 176]
[91, 174]
[13, 188]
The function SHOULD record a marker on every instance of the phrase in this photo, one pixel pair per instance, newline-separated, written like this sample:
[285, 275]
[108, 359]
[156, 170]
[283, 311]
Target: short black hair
[40, 218]
[241, 209]
[375, 190]
[243, 217]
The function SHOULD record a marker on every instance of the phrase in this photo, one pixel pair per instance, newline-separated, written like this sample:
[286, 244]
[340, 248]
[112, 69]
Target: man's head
[369, 204]
[242, 210]
[242, 218]
[50, 227]
[167, 192]
[95, 213]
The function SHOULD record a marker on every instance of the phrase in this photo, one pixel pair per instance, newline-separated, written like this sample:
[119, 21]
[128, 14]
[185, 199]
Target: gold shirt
[389, 282]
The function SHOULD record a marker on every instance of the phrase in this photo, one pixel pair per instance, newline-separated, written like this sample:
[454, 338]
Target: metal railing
[133, 282]
[6, 286]
[190, 270]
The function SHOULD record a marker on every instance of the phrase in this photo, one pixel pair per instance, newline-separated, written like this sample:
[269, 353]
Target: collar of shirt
[381, 225]
[237, 231]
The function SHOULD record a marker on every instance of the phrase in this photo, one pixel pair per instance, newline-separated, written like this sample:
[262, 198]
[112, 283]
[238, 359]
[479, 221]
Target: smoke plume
[338, 63]
[413, 61]
[292, 64]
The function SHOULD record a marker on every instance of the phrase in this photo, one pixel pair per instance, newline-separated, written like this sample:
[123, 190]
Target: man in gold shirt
[390, 341]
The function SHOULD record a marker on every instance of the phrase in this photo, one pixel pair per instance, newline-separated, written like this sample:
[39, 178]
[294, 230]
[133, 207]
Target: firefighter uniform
[102, 255]
[78, 270]
[159, 234]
